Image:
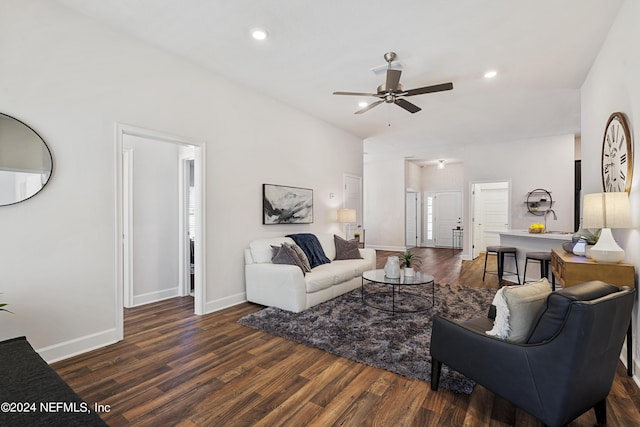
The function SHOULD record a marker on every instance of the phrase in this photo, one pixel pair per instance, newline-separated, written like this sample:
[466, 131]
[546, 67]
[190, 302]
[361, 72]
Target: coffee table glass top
[378, 276]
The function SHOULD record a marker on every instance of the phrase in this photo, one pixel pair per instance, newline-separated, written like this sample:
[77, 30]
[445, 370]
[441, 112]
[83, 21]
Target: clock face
[617, 155]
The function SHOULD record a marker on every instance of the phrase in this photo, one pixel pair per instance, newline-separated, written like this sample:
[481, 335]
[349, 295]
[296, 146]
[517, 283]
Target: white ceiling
[541, 49]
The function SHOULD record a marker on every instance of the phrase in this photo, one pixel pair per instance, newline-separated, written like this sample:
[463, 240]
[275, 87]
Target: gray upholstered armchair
[565, 367]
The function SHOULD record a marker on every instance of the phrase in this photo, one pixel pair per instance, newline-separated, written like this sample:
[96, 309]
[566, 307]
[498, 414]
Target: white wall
[413, 180]
[528, 164]
[384, 202]
[451, 178]
[613, 84]
[72, 79]
[155, 219]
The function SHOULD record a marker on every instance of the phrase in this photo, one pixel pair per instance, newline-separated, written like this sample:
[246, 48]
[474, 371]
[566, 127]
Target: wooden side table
[571, 270]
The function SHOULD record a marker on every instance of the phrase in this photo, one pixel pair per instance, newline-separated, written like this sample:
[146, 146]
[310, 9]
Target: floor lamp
[606, 211]
[346, 216]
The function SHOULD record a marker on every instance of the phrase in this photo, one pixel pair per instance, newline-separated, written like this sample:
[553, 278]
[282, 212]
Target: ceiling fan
[391, 91]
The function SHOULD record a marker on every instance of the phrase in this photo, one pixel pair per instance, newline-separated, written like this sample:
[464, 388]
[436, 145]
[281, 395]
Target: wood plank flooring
[175, 368]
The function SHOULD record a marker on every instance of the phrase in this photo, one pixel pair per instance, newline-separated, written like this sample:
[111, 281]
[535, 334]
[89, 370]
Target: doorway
[352, 199]
[156, 221]
[411, 219]
[490, 207]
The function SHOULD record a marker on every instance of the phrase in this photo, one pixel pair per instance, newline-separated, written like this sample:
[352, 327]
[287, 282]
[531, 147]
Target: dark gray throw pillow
[346, 249]
[286, 255]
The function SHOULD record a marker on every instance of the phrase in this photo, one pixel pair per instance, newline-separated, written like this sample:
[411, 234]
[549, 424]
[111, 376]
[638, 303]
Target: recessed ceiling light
[259, 34]
[490, 74]
[362, 104]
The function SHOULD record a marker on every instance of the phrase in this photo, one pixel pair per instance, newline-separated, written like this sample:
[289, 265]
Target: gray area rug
[399, 343]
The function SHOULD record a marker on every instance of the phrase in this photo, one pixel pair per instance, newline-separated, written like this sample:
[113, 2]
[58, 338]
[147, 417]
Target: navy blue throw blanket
[311, 247]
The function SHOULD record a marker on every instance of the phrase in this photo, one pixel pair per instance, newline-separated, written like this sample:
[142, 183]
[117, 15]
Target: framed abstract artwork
[286, 205]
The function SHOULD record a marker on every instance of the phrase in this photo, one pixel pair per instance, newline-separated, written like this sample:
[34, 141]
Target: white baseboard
[77, 346]
[226, 302]
[387, 248]
[155, 296]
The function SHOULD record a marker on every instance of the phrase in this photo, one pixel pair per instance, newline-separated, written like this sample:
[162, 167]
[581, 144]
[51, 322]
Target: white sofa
[284, 286]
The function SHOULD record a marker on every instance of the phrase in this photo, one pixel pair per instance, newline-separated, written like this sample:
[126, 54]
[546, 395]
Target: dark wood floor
[175, 368]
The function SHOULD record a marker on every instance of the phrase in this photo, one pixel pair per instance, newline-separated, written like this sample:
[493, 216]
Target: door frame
[412, 214]
[122, 217]
[472, 207]
[184, 263]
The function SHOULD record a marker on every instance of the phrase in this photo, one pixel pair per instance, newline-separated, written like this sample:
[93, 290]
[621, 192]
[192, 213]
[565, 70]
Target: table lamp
[606, 211]
[346, 216]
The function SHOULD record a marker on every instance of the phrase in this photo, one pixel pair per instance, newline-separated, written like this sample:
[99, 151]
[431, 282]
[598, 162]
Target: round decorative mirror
[25, 161]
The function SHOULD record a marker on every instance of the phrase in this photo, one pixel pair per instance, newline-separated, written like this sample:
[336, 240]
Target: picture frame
[283, 204]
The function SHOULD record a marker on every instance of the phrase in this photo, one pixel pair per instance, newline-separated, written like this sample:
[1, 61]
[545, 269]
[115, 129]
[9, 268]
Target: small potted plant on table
[409, 261]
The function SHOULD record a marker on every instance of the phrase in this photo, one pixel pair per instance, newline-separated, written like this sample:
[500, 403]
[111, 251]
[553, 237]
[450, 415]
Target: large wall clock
[617, 155]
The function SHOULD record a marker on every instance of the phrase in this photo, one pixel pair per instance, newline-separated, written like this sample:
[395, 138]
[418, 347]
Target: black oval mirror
[25, 161]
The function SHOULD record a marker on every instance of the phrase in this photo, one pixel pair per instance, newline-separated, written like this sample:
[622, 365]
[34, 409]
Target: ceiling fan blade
[412, 108]
[369, 107]
[429, 89]
[356, 93]
[393, 80]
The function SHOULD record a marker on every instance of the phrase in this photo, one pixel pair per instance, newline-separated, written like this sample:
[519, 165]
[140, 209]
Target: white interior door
[491, 214]
[411, 220]
[448, 215]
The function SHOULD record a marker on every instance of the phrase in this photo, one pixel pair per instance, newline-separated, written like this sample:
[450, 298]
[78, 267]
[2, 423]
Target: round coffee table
[408, 294]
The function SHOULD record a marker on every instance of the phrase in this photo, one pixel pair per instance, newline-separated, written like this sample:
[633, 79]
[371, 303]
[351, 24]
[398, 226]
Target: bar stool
[544, 258]
[500, 252]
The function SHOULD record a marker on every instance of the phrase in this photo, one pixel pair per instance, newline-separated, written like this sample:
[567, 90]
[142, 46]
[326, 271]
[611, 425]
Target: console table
[571, 270]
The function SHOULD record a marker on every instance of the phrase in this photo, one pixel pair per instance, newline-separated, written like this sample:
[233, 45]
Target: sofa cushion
[311, 247]
[341, 271]
[346, 249]
[358, 266]
[319, 279]
[261, 249]
[328, 246]
[517, 308]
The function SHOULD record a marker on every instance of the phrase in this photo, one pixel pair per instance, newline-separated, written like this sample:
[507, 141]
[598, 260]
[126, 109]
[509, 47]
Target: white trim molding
[200, 248]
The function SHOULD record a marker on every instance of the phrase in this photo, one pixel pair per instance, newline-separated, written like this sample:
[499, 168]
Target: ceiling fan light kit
[392, 92]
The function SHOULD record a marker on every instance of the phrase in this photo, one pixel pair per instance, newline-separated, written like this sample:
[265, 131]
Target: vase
[392, 267]
[580, 247]
[587, 250]
[409, 272]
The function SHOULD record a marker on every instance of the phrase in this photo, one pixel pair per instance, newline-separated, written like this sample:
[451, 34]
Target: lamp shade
[346, 215]
[606, 210]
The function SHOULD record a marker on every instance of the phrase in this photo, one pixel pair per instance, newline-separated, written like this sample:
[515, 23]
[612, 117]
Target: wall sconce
[440, 164]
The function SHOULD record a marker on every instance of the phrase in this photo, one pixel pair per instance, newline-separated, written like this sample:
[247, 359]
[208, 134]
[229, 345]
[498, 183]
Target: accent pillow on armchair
[517, 308]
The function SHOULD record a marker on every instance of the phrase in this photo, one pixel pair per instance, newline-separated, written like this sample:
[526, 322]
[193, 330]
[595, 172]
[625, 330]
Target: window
[429, 209]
